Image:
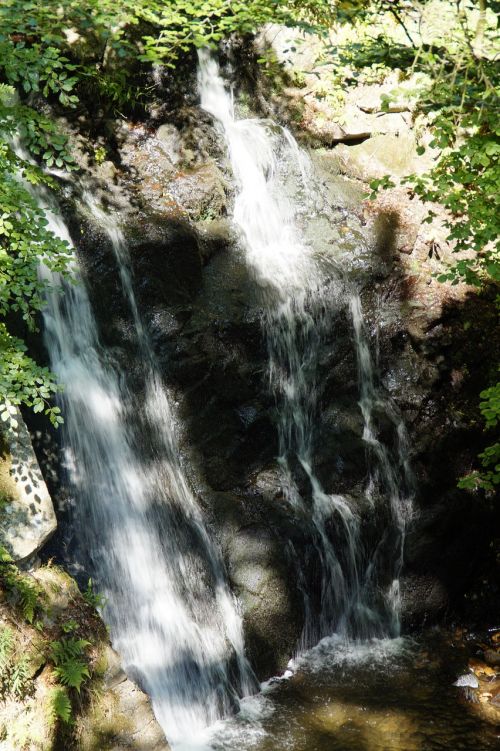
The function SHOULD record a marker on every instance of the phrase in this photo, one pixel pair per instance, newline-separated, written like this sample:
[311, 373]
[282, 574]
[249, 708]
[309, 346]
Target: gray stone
[259, 572]
[27, 518]
[423, 598]
[142, 731]
[200, 191]
[378, 156]
[355, 124]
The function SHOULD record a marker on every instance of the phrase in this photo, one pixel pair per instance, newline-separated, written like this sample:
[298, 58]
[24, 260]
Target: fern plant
[6, 645]
[14, 671]
[20, 678]
[27, 594]
[59, 706]
[70, 665]
[6, 650]
[22, 588]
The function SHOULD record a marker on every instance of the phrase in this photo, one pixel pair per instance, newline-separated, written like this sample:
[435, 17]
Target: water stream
[361, 687]
[377, 695]
[296, 291]
[171, 615]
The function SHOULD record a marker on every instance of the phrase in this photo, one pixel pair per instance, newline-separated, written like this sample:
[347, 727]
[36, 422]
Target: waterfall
[171, 614]
[390, 474]
[140, 531]
[295, 318]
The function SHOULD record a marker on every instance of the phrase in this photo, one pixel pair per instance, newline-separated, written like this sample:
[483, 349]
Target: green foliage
[70, 626]
[489, 477]
[382, 183]
[20, 676]
[38, 68]
[59, 707]
[490, 406]
[25, 239]
[6, 648]
[14, 669]
[203, 23]
[70, 664]
[152, 30]
[24, 652]
[100, 154]
[466, 181]
[91, 597]
[22, 588]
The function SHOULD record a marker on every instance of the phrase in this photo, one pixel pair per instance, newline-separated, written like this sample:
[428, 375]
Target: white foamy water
[171, 615]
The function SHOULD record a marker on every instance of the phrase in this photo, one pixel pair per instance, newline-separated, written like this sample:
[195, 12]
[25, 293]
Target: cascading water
[171, 615]
[390, 477]
[167, 478]
[292, 285]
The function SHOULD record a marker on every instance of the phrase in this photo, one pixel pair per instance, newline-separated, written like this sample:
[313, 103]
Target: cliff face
[168, 176]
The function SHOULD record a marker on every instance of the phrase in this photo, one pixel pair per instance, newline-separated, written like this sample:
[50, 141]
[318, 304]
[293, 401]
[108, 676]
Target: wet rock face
[256, 537]
[203, 313]
[204, 318]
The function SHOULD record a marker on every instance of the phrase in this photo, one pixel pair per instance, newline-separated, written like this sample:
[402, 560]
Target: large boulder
[380, 155]
[27, 518]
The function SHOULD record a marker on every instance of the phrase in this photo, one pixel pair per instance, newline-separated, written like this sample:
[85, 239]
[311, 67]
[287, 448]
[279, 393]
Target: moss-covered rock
[43, 707]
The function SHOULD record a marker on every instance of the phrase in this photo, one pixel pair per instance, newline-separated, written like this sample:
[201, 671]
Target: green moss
[37, 712]
[101, 726]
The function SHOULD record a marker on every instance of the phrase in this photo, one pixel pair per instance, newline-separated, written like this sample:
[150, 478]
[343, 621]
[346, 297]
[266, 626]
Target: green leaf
[60, 705]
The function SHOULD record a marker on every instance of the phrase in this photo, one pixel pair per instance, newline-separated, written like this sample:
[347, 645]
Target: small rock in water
[492, 657]
[480, 667]
[484, 698]
[468, 680]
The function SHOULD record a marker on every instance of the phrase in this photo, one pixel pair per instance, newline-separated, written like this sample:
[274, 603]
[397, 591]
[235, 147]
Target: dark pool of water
[384, 696]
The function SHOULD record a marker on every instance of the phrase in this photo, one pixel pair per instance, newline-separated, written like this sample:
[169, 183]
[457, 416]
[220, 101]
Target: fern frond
[6, 652]
[19, 678]
[21, 586]
[69, 666]
[72, 673]
[67, 649]
[59, 706]
[6, 646]
[28, 594]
